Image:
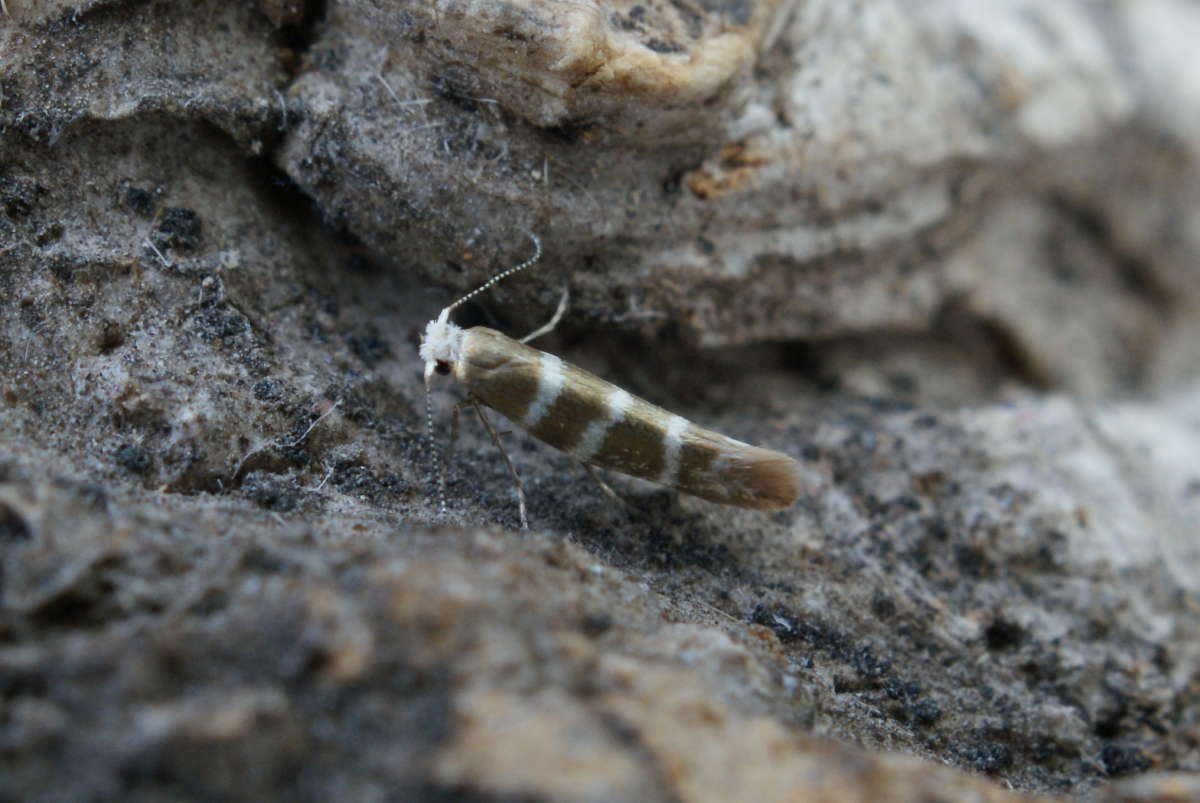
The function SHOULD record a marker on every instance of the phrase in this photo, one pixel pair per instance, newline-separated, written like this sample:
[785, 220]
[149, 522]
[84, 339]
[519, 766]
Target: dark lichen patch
[138, 200]
[64, 269]
[49, 235]
[134, 458]
[883, 606]
[20, 197]
[179, 228]
[904, 690]
[32, 315]
[859, 670]
[974, 561]
[1043, 667]
[368, 346]
[16, 207]
[869, 665]
[987, 757]
[269, 390]
[295, 446]
[365, 483]
[109, 337]
[221, 323]
[1120, 760]
[361, 403]
[810, 631]
[924, 713]
[666, 552]
[270, 491]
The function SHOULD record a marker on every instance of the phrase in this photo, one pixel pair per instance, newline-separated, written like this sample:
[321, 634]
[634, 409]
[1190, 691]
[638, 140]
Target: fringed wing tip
[770, 480]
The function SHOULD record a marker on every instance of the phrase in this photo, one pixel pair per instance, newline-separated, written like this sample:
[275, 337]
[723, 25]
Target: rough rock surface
[944, 252]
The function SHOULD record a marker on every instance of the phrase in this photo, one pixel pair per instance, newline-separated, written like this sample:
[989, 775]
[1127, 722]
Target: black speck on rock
[49, 235]
[217, 324]
[269, 491]
[179, 228]
[16, 208]
[791, 629]
[134, 459]
[139, 200]
[1119, 760]
[989, 757]
[784, 626]
[1002, 634]
[925, 712]
[901, 689]
[883, 606]
[358, 480]
[973, 562]
[596, 624]
[368, 347]
[268, 390]
[869, 665]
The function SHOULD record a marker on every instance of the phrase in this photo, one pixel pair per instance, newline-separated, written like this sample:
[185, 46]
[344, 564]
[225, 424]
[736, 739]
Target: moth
[595, 421]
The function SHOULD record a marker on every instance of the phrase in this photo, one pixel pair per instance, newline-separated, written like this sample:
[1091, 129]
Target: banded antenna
[537, 254]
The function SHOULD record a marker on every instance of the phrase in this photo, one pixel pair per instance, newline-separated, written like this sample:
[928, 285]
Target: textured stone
[954, 242]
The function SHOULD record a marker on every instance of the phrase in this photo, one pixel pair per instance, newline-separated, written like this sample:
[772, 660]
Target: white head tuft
[441, 344]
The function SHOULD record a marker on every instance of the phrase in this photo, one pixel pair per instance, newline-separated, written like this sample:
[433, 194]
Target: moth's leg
[511, 468]
[558, 313]
[604, 486]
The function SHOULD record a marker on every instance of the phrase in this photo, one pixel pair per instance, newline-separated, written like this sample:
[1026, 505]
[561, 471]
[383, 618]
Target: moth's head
[441, 346]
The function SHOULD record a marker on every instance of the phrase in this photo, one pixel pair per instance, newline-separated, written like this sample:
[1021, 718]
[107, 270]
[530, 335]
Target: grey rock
[944, 253]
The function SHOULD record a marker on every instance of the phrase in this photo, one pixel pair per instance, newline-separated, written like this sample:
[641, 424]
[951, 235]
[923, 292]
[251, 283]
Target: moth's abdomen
[599, 423]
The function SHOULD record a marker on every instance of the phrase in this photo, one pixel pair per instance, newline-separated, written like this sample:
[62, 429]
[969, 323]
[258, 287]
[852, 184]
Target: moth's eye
[442, 367]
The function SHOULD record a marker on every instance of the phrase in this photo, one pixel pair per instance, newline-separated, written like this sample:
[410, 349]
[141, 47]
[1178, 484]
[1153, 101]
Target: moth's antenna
[537, 254]
[434, 452]
[440, 349]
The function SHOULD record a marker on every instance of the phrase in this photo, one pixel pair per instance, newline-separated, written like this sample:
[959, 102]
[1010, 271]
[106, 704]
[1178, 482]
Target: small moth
[595, 421]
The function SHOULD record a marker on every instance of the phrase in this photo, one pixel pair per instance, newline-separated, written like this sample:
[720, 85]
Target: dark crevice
[991, 351]
[1136, 274]
[992, 343]
[13, 527]
[298, 23]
